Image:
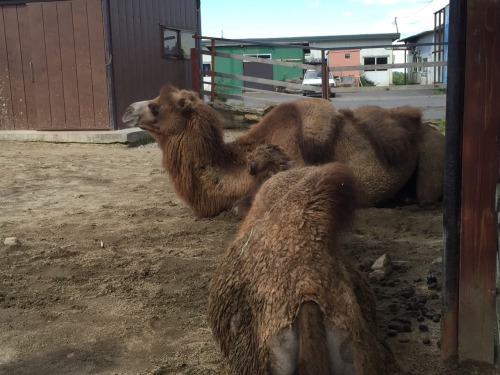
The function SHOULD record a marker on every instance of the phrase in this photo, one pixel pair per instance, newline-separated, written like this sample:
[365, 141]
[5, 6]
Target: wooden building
[77, 64]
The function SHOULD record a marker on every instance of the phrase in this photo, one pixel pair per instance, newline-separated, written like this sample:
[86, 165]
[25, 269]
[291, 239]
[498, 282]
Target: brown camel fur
[286, 299]
[382, 146]
[262, 163]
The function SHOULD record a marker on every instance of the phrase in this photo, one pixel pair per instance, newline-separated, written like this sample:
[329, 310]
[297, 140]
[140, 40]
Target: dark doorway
[258, 70]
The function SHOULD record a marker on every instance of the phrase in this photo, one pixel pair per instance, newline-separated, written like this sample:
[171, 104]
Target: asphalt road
[433, 104]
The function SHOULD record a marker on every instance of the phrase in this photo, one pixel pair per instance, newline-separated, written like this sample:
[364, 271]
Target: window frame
[373, 67]
[183, 38]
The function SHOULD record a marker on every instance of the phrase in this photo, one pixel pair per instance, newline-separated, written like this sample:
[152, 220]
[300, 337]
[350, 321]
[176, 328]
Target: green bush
[399, 78]
[366, 82]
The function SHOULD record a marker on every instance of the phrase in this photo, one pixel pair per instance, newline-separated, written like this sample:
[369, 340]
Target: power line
[410, 15]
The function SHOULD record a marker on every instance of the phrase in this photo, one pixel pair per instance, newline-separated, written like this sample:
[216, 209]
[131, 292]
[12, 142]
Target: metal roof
[305, 40]
[413, 38]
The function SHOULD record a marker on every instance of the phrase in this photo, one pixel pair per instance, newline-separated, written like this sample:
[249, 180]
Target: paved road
[433, 105]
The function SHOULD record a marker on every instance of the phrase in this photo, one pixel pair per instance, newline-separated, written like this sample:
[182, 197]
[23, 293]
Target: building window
[347, 56]
[177, 43]
[260, 56]
[375, 61]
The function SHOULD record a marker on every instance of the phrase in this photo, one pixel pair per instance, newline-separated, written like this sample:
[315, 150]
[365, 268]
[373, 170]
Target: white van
[313, 78]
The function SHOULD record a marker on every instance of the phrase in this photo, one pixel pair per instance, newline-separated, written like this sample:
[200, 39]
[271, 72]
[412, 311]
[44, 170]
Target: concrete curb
[131, 137]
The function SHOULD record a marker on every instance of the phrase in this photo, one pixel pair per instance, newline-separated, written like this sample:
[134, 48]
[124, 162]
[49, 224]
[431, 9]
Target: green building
[252, 68]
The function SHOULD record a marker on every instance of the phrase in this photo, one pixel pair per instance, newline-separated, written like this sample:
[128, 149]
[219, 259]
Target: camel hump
[334, 188]
[313, 349]
[393, 133]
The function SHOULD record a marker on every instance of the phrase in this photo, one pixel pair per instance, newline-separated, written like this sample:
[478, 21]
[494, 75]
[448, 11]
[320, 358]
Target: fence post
[212, 75]
[324, 77]
[195, 70]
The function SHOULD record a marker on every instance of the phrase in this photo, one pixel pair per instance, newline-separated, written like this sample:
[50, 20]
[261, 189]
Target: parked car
[313, 78]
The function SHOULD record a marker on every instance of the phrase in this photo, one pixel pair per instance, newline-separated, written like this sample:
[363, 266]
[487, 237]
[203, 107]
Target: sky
[240, 19]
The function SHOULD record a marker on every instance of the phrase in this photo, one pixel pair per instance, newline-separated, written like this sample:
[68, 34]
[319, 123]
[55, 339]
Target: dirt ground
[111, 270]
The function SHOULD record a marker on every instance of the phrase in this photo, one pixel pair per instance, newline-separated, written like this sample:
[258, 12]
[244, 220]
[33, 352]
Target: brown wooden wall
[17, 101]
[138, 67]
[52, 66]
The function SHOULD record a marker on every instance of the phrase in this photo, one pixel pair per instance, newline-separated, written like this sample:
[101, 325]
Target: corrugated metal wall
[139, 70]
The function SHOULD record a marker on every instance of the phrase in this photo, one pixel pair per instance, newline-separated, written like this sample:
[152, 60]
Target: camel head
[155, 115]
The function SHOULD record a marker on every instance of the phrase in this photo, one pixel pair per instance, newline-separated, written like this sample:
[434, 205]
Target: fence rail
[277, 86]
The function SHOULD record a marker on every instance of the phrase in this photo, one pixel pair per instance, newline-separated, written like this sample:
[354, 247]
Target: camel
[385, 148]
[286, 299]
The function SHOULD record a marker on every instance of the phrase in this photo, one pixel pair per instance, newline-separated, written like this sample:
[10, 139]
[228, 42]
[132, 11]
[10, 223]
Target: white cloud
[347, 14]
[315, 4]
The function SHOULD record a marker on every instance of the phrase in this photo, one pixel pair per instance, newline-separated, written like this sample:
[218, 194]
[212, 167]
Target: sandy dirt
[111, 270]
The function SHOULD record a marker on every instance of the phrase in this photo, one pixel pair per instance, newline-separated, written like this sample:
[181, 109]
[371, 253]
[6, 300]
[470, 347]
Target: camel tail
[313, 351]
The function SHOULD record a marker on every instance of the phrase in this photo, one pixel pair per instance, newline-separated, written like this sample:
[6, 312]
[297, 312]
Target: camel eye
[154, 109]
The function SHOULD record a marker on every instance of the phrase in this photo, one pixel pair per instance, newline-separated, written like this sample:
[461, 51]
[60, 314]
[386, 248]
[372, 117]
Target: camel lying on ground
[286, 299]
[385, 148]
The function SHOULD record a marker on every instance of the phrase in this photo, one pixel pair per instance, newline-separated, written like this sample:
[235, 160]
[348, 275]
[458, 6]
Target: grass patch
[440, 123]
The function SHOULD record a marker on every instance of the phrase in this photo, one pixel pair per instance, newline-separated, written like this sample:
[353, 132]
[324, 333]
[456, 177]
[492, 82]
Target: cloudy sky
[286, 18]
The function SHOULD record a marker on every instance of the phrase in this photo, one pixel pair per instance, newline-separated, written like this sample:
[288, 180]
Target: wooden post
[195, 70]
[480, 166]
[453, 178]
[325, 82]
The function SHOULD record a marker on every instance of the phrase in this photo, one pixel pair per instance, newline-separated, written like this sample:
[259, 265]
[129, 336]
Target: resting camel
[385, 148]
[286, 299]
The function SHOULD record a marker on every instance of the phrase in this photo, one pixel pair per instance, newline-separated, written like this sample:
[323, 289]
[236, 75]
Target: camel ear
[185, 101]
[166, 92]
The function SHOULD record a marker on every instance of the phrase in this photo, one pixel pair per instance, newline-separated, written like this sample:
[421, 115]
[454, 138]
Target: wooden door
[17, 101]
[68, 63]
[259, 70]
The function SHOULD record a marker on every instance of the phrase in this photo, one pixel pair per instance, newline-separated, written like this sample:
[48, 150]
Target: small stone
[404, 340]
[426, 341]
[431, 279]
[420, 318]
[423, 328]
[11, 241]
[383, 264]
[436, 318]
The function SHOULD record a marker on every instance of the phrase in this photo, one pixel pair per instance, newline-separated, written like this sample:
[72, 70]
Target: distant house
[353, 50]
[307, 50]
[430, 53]
[420, 75]
[342, 58]
[78, 64]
